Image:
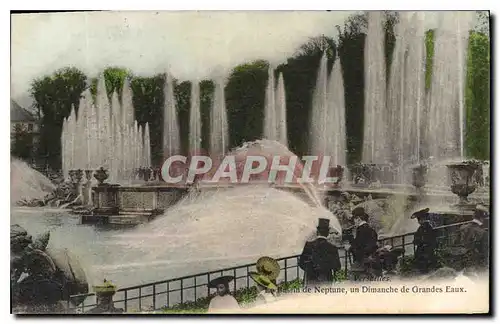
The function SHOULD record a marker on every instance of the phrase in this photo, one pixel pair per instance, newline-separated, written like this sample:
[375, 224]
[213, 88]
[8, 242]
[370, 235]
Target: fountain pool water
[206, 231]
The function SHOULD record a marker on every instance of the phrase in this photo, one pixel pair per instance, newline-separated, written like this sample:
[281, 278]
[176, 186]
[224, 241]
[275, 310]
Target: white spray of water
[214, 229]
[27, 183]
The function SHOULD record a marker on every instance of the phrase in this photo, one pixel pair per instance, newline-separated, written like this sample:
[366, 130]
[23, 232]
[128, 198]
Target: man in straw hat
[320, 258]
[223, 300]
[474, 236]
[268, 271]
[425, 241]
[364, 244]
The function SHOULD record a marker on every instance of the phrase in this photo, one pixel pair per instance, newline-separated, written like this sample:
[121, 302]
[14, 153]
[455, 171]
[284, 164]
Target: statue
[42, 281]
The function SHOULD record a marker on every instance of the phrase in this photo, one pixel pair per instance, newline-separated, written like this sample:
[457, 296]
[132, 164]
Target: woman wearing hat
[223, 300]
[425, 241]
[365, 243]
[474, 237]
[320, 258]
[268, 271]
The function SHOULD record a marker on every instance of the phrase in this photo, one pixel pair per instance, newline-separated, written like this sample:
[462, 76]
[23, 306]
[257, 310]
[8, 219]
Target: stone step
[132, 219]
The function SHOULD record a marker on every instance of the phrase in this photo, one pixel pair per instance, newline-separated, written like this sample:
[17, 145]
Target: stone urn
[147, 174]
[104, 295]
[463, 179]
[72, 176]
[135, 173]
[88, 175]
[419, 173]
[78, 175]
[101, 175]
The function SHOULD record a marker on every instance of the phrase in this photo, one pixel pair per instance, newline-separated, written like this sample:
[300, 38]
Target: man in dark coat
[425, 241]
[320, 258]
[475, 239]
[364, 245]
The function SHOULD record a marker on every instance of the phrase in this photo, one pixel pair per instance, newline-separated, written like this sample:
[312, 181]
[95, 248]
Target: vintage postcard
[250, 162]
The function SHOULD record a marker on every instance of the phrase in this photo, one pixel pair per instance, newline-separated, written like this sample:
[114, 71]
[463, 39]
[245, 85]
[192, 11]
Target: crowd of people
[466, 248]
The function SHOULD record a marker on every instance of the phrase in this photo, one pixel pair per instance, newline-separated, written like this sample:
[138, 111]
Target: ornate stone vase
[101, 175]
[419, 173]
[462, 179]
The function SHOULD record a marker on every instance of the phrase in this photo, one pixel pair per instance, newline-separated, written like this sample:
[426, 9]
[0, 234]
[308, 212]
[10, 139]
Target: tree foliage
[114, 77]
[54, 96]
[21, 143]
[148, 107]
[478, 97]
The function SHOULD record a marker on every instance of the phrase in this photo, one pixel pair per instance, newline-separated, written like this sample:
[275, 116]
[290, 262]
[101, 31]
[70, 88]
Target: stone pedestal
[105, 199]
[87, 188]
[104, 296]
[79, 184]
[419, 173]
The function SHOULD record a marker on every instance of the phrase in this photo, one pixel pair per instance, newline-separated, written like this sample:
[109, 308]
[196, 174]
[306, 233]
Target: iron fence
[165, 293]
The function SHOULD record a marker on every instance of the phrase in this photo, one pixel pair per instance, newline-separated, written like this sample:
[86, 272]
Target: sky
[190, 45]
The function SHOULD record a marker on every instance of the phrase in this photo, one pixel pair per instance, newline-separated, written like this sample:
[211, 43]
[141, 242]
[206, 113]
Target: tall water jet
[406, 94]
[64, 148]
[270, 125]
[171, 136]
[127, 107]
[375, 146]
[81, 154]
[87, 131]
[414, 88]
[103, 111]
[126, 151]
[135, 145]
[195, 119]
[102, 135]
[115, 128]
[147, 146]
[446, 113]
[218, 122]
[72, 128]
[138, 157]
[94, 139]
[321, 139]
[280, 107]
[336, 127]
[395, 92]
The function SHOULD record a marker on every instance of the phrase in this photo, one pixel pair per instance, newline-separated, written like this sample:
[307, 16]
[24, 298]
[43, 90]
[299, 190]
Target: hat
[360, 212]
[263, 280]
[323, 223]
[480, 212]
[356, 199]
[420, 213]
[269, 267]
[224, 280]
[481, 207]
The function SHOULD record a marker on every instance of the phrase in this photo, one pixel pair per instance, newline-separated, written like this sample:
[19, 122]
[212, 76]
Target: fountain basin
[115, 204]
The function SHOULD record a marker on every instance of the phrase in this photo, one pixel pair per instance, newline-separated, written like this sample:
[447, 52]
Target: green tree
[245, 100]
[429, 59]
[21, 143]
[147, 98]
[114, 77]
[54, 96]
[478, 97]
[351, 52]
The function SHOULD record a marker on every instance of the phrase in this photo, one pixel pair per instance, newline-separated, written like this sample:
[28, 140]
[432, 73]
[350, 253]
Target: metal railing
[165, 293]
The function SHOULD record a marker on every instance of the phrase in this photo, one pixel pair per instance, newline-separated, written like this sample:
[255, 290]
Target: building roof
[19, 114]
